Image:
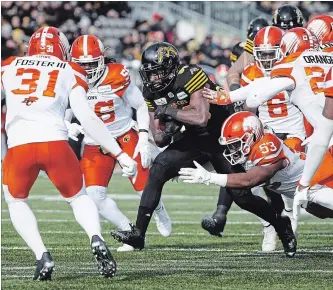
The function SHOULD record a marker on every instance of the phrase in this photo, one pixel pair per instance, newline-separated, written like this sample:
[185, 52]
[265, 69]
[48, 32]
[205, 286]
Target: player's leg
[19, 174]
[165, 166]
[97, 170]
[288, 211]
[128, 143]
[63, 169]
[322, 196]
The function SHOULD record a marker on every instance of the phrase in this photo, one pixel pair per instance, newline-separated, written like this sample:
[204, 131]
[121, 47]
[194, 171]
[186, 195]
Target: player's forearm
[317, 149]
[234, 73]
[91, 124]
[192, 117]
[142, 117]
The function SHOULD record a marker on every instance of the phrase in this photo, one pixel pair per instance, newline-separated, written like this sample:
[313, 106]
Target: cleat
[125, 248]
[163, 221]
[269, 241]
[107, 266]
[287, 237]
[44, 268]
[210, 224]
[132, 238]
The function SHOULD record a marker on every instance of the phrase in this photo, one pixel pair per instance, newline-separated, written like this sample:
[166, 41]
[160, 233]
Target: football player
[38, 89]
[285, 17]
[174, 96]
[3, 132]
[268, 162]
[112, 95]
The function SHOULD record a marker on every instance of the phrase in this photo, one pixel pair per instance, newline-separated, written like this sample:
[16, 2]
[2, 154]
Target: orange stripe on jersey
[290, 58]
[283, 72]
[250, 73]
[81, 82]
[117, 77]
[328, 90]
[267, 151]
[77, 68]
[8, 61]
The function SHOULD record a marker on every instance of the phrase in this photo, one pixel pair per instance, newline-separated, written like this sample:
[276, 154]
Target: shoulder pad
[191, 78]
[8, 61]
[267, 151]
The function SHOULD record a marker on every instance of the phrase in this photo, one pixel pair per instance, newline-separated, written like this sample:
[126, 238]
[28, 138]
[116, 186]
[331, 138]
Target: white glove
[192, 175]
[74, 130]
[300, 201]
[143, 147]
[128, 166]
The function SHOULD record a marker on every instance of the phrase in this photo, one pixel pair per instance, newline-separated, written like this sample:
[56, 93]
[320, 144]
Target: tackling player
[38, 88]
[112, 95]
[174, 96]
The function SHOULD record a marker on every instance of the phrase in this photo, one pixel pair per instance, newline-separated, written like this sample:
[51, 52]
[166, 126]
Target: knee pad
[97, 193]
[81, 192]
[8, 197]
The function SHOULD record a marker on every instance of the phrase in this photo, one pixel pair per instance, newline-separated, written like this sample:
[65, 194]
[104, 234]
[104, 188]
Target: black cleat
[210, 224]
[44, 268]
[287, 237]
[107, 266]
[133, 238]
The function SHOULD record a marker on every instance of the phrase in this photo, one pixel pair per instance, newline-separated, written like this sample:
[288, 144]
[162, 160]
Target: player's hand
[195, 175]
[74, 130]
[128, 166]
[219, 97]
[300, 200]
[143, 147]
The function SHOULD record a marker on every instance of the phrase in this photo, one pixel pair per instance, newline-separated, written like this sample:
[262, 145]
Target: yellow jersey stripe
[198, 84]
[196, 76]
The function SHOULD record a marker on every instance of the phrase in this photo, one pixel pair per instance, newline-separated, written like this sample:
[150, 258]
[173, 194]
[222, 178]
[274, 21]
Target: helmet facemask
[238, 149]
[94, 67]
[267, 56]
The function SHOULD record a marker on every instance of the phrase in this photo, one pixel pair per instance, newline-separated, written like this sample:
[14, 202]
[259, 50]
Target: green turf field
[189, 259]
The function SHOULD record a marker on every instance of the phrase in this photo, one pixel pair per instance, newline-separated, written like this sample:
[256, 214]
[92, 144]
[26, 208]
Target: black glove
[166, 113]
[172, 127]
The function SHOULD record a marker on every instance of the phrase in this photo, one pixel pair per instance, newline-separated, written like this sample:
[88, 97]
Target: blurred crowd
[20, 19]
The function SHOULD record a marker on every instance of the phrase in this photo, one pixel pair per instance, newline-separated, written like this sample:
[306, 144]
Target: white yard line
[179, 222]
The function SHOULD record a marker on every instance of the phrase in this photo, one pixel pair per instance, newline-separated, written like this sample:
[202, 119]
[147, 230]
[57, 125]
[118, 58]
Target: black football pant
[181, 154]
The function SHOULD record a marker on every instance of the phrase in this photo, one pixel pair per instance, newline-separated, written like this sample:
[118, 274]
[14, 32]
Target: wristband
[219, 179]
[143, 131]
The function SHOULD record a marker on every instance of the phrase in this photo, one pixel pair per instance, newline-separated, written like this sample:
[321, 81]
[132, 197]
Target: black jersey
[189, 79]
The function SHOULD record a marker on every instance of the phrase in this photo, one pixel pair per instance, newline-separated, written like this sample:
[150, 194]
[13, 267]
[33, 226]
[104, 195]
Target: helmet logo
[165, 51]
[252, 123]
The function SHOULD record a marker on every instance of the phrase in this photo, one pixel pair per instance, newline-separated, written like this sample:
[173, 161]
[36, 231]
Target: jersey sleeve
[284, 68]
[118, 78]
[192, 78]
[267, 151]
[249, 44]
[80, 76]
[328, 87]
[248, 75]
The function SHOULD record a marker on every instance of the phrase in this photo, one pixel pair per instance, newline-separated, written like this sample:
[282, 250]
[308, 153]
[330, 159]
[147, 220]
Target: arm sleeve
[317, 149]
[134, 98]
[90, 122]
[68, 115]
[268, 89]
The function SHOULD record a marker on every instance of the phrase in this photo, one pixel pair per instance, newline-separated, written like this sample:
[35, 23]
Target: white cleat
[293, 221]
[269, 241]
[125, 248]
[163, 221]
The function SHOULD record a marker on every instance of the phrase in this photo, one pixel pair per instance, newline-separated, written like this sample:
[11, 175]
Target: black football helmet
[255, 25]
[159, 67]
[287, 17]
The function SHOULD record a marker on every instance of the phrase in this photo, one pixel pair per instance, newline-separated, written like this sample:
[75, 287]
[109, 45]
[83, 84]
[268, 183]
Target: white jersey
[37, 90]
[106, 100]
[278, 113]
[271, 149]
[307, 70]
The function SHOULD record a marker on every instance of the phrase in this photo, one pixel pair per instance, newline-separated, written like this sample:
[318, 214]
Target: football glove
[195, 175]
[166, 113]
[74, 130]
[143, 147]
[219, 97]
[128, 166]
[300, 201]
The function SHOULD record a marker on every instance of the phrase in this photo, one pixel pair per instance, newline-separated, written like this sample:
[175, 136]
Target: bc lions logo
[30, 100]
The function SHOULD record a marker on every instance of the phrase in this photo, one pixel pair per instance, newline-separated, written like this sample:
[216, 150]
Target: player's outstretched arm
[255, 176]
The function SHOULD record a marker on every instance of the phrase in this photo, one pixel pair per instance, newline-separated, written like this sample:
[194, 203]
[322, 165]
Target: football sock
[86, 214]
[25, 223]
[143, 219]
[108, 208]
